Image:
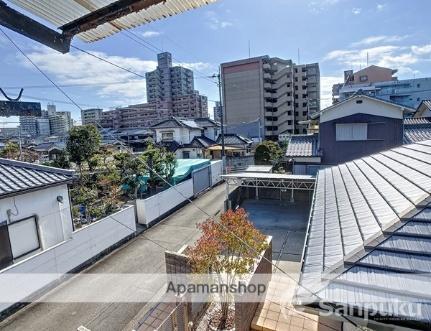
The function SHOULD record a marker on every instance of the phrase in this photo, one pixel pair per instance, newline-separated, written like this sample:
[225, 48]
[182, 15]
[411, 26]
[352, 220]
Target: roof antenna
[249, 49]
[367, 59]
[299, 58]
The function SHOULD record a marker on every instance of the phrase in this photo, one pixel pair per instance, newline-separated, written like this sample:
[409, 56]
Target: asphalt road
[143, 254]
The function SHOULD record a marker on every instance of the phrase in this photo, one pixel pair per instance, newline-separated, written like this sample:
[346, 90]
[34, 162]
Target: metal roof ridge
[27, 165]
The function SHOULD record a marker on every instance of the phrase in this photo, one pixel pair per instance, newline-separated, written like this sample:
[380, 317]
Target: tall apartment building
[217, 111]
[134, 116]
[172, 88]
[60, 122]
[28, 125]
[379, 82]
[51, 122]
[43, 128]
[277, 92]
[91, 116]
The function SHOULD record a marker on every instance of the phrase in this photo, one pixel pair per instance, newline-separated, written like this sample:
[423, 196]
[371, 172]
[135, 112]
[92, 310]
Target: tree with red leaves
[227, 249]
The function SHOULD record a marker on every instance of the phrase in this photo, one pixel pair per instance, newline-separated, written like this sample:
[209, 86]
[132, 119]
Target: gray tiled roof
[175, 122]
[302, 145]
[415, 121]
[18, 177]
[370, 232]
[234, 139]
[416, 130]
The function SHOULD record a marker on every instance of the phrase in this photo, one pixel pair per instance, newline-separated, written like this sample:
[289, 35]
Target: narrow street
[140, 255]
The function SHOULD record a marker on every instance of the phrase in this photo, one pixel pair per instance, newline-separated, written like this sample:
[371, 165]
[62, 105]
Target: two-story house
[186, 137]
[359, 126]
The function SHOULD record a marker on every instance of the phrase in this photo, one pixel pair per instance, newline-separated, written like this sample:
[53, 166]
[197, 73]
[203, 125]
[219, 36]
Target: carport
[282, 182]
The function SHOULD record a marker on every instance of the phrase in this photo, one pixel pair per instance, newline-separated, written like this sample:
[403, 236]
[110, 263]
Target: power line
[70, 85]
[40, 70]
[107, 61]
[164, 180]
[141, 41]
[56, 101]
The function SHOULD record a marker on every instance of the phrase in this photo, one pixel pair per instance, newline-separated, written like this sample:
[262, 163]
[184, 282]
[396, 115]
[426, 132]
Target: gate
[201, 179]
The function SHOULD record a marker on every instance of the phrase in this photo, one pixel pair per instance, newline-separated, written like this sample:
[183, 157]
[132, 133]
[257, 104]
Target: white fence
[216, 172]
[154, 207]
[56, 261]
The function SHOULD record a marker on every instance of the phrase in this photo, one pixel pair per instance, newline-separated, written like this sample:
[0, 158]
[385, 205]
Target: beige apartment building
[134, 116]
[277, 92]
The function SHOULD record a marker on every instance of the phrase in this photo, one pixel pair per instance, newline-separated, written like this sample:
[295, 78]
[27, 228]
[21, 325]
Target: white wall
[216, 171]
[153, 207]
[368, 106]
[195, 153]
[54, 218]
[54, 262]
[181, 135]
[211, 132]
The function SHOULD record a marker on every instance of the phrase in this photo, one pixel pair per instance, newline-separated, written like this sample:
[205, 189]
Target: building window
[186, 155]
[363, 78]
[351, 131]
[167, 136]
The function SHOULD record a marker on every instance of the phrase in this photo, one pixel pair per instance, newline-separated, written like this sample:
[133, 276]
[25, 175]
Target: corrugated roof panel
[61, 12]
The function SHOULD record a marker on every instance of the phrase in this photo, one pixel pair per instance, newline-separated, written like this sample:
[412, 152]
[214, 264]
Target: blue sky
[336, 33]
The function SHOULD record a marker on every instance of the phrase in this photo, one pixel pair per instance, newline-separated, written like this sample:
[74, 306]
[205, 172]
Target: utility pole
[223, 155]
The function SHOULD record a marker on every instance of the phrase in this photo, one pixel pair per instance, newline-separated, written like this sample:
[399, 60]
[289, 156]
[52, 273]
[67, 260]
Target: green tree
[226, 249]
[161, 162]
[83, 144]
[61, 161]
[268, 152]
[131, 172]
[10, 151]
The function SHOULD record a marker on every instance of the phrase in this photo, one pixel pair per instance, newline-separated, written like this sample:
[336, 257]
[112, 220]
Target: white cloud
[390, 56]
[357, 57]
[151, 34]
[356, 11]
[326, 83]
[371, 40]
[80, 68]
[215, 23]
[198, 66]
[321, 5]
[422, 50]
[380, 6]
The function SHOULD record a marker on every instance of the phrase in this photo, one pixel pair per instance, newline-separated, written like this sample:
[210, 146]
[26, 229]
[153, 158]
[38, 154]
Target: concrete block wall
[245, 311]
[47, 268]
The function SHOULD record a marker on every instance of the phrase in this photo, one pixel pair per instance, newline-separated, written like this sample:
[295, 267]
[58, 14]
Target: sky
[337, 34]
